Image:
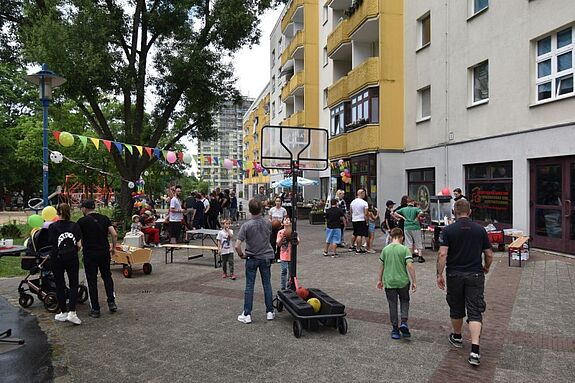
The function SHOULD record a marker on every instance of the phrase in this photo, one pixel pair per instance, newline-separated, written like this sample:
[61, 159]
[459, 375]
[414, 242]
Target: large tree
[166, 62]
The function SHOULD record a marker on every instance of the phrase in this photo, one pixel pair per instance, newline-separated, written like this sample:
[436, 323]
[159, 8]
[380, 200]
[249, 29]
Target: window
[273, 109]
[325, 57]
[273, 84]
[421, 185]
[424, 96]
[489, 188]
[325, 97]
[477, 6]
[554, 65]
[273, 57]
[325, 14]
[479, 82]
[365, 107]
[425, 30]
[337, 123]
[280, 46]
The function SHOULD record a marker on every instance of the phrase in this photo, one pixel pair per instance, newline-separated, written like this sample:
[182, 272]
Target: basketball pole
[294, 236]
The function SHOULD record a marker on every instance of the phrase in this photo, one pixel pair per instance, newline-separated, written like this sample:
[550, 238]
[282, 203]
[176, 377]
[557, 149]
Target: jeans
[392, 295]
[93, 263]
[252, 266]
[234, 214]
[228, 259]
[71, 267]
[284, 274]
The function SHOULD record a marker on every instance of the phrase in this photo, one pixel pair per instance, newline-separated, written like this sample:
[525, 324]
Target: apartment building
[362, 91]
[229, 144]
[490, 108]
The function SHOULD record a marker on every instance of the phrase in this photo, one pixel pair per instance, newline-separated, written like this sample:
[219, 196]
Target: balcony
[339, 37]
[344, 32]
[296, 43]
[367, 73]
[296, 119]
[367, 9]
[293, 84]
[357, 141]
[295, 6]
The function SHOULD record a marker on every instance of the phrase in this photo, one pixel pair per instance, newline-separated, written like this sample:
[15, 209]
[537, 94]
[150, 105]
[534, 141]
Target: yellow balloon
[49, 213]
[66, 139]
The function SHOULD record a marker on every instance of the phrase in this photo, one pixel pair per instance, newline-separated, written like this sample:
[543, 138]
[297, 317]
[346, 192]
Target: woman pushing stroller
[66, 239]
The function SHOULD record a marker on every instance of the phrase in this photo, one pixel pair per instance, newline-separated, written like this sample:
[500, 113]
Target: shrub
[10, 230]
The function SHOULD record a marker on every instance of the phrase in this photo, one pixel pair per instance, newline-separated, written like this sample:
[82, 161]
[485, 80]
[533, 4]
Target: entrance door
[551, 207]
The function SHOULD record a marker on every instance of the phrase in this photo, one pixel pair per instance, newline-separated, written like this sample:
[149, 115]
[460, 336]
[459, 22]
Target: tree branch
[106, 133]
[90, 117]
[162, 124]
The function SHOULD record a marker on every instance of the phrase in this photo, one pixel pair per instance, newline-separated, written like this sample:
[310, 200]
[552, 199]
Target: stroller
[40, 279]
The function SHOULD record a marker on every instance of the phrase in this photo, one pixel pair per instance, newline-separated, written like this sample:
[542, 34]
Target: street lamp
[46, 81]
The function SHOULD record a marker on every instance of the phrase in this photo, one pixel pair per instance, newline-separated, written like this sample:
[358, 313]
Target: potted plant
[317, 214]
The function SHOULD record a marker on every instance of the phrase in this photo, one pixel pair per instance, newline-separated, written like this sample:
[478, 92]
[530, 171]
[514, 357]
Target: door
[552, 212]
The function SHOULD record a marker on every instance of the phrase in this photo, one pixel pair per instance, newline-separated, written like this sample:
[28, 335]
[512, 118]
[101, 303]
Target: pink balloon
[445, 191]
[228, 164]
[46, 224]
[171, 157]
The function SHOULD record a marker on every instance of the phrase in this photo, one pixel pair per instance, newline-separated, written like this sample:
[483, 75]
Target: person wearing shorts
[334, 217]
[359, 219]
[412, 229]
[461, 246]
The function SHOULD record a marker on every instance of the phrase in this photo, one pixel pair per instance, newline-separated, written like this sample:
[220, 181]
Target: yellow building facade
[254, 120]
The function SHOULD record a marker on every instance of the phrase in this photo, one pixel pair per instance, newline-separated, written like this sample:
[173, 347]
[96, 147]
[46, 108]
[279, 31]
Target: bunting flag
[240, 163]
[56, 136]
[118, 146]
[84, 140]
[157, 153]
[108, 145]
[216, 161]
[202, 159]
[140, 150]
[209, 158]
[149, 151]
[165, 153]
[96, 142]
[129, 148]
[235, 162]
[181, 156]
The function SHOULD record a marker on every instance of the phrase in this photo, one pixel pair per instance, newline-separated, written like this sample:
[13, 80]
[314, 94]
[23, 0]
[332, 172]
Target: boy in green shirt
[396, 264]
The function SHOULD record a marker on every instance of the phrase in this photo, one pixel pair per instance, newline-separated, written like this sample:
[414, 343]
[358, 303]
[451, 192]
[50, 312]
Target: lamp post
[46, 81]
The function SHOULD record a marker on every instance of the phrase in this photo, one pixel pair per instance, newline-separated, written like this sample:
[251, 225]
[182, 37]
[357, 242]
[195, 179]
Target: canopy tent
[287, 183]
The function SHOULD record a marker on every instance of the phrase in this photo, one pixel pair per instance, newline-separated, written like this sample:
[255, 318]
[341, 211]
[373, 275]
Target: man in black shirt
[97, 254]
[461, 246]
[334, 217]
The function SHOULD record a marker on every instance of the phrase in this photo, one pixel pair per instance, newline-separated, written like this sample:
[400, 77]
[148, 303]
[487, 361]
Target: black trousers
[273, 239]
[93, 263]
[71, 267]
[213, 222]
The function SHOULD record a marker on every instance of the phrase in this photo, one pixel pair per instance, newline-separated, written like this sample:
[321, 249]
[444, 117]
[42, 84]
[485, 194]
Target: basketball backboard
[282, 144]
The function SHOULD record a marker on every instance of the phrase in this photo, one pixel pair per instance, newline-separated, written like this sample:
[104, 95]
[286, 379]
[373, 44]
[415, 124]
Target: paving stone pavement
[179, 324]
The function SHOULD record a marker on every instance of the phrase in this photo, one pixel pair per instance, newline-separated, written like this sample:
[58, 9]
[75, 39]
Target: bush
[10, 230]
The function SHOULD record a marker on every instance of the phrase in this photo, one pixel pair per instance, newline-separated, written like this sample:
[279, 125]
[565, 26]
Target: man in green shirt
[410, 214]
[394, 273]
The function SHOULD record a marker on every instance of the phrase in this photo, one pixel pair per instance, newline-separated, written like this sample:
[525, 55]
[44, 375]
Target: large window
[421, 185]
[489, 189]
[479, 83]
[365, 107]
[554, 60]
[337, 120]
[424, 26]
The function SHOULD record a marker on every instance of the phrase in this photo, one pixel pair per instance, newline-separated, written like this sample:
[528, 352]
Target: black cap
[89, 204]
[389, 203]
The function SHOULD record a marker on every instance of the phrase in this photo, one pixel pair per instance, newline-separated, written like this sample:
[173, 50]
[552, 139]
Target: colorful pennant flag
[108, 145]
[157, 153]
[96, 142]
[84, 140]
[118, 146]
[140, 149]
[149, 151]
[129, 148]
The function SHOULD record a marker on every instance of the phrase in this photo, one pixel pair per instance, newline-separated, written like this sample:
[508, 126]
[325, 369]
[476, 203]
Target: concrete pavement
[179, 324]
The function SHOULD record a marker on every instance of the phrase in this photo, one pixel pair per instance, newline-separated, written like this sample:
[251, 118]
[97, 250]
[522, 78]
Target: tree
[165, 57]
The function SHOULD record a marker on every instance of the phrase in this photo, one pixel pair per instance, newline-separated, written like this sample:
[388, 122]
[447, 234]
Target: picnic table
[170, 247]
[210, 234]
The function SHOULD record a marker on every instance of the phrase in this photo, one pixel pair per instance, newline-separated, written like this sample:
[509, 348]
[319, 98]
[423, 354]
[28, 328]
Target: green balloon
[35, 221]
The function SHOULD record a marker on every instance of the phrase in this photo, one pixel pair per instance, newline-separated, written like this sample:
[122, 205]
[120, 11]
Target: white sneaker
[72, 317]
[271, 315]
[245, 318]
[62, 317]
[370, 251]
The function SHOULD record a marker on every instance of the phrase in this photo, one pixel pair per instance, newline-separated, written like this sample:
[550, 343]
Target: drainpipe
[446, 137]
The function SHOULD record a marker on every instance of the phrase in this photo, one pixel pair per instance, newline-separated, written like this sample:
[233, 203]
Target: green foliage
[10, 230]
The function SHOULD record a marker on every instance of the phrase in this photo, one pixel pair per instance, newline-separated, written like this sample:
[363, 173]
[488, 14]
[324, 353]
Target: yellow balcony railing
[296, 119]
[337, 92]
[367, 10]
[338, 37]
[296, 42]
[295, 82]
[295, 4]
[357, 141]
[364, 74]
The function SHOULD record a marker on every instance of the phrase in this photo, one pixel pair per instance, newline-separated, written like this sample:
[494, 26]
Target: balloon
[346, 171]
[171, 157]
[46, 224]
[187, 158]
[445, 191]
[342, 168]
[131, 185]
[35, 221]
[48, 213]
[56, 157]
[340, 162]
[146, 173]
[265, 172]
[66, 139]
[228, 164]
[439, 193]
[343, 174]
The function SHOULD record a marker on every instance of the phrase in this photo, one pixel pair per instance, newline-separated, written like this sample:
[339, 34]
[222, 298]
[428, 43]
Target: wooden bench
[517, 246]
[170, 247]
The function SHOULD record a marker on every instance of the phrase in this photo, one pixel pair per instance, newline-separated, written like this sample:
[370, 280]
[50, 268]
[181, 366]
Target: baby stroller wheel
[26, 300]
[82, 294]
[51, 302]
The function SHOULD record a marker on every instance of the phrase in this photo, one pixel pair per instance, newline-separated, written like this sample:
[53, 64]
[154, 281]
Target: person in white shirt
[359, 220]
[176, 216]
[276, 213]
[224, 239]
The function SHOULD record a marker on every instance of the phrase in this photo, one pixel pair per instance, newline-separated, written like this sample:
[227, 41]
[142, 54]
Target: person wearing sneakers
[283, 242]
[65, 237]
[334, 218]
[461, 246]
[412, 228]
[394, 274]
[373, 216]
[97, 255]
[224, 239]
[359, 220]
[258, 254]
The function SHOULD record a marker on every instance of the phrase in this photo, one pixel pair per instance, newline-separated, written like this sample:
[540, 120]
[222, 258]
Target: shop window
[489, 189]
[420, 185]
